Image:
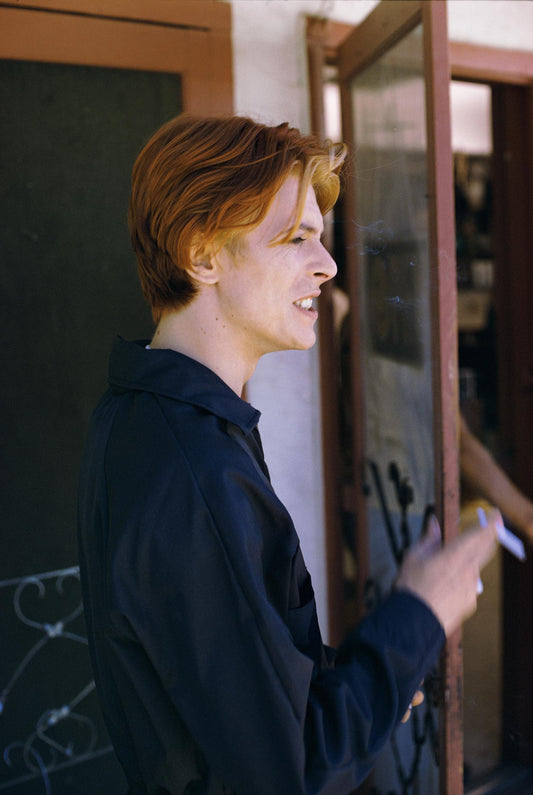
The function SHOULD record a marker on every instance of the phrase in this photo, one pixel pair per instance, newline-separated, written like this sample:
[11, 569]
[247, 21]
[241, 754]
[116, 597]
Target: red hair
[203, 182]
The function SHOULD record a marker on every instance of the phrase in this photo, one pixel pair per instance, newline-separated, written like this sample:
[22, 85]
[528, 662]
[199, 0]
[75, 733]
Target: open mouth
[304, 303]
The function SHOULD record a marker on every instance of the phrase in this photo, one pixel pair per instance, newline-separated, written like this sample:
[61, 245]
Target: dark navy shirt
[201, 616]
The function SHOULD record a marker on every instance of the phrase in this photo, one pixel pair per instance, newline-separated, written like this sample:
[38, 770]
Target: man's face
[266, 291]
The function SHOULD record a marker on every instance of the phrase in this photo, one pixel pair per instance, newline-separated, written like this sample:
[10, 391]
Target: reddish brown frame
[388, 23]
[468, 62]
[189, 37]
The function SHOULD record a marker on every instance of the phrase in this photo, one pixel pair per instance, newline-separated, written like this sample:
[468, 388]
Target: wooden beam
[329, 366]
[443, 296]
[490, 64]
[200, 14]
[201, 56]
[389, 22]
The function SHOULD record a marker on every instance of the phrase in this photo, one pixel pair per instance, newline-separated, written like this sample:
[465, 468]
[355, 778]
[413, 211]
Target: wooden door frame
[466, 62]
[189, 37]
[379, 31]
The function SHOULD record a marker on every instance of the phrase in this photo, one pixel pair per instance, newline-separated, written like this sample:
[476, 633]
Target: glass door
[399, 279]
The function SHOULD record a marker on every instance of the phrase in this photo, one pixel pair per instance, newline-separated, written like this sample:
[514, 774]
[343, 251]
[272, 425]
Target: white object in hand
[507, 539]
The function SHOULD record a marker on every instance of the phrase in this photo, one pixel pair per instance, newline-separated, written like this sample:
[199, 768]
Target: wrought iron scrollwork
[423, 722]
[63, 733]
[405, 496]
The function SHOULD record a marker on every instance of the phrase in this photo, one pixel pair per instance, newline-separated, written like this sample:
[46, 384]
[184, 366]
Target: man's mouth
[304, 303]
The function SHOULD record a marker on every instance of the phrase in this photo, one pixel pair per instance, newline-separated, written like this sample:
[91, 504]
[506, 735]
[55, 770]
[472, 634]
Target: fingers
[479, 543]
[433, 529]
[407, 714]
[446, 576]
[431, 541]
[467, 554]
[417, 699]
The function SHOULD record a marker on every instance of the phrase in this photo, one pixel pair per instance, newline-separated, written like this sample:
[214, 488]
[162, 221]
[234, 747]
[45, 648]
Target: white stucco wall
[493, 23]
[270, 74]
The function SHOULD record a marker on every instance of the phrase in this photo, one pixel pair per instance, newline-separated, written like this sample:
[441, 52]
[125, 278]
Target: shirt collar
[174, 375]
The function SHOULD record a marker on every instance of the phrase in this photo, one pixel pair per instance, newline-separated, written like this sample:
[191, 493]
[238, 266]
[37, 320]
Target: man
[202, 623]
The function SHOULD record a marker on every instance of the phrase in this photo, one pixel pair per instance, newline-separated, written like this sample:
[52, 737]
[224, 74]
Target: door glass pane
[68, 284]
[389, 123]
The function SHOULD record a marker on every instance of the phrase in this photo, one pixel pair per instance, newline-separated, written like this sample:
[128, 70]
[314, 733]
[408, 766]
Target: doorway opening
[471, 114]
[495, 383]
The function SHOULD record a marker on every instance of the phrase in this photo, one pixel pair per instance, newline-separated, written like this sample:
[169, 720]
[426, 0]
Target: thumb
[431, 541]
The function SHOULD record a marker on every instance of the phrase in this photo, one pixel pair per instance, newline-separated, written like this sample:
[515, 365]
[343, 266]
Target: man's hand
[446, 576]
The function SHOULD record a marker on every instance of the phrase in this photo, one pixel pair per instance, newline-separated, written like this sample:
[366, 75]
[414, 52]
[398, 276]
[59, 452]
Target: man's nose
[326, 267]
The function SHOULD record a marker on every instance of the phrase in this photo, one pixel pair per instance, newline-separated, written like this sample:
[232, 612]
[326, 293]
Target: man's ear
[203, 267]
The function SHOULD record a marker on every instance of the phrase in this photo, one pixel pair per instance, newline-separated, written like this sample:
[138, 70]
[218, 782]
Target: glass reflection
[389, 122]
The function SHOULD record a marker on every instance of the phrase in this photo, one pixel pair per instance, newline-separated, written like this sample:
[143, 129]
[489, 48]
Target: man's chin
[305, 345]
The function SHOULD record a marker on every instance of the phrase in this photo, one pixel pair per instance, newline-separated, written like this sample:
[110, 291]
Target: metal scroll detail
[423, 723]
[49, 717]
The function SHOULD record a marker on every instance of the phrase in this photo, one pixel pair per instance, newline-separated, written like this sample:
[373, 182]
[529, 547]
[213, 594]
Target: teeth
[305, 303]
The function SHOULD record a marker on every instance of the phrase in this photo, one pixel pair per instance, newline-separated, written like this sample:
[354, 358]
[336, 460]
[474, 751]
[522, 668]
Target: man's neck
[197, 334]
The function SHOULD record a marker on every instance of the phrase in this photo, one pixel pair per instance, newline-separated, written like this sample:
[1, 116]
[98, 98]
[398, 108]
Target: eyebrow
[312, 229]
[302, 227]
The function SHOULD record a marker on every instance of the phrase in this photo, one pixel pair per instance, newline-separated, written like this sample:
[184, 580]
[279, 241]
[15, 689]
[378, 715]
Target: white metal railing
[45, 727]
